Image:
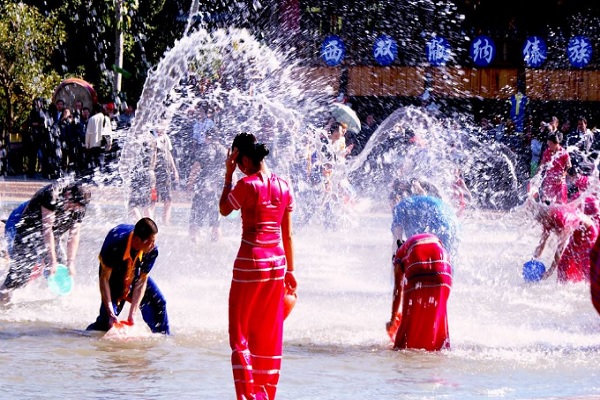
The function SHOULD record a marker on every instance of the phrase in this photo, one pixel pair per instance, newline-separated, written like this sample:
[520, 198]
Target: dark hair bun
[262, 150]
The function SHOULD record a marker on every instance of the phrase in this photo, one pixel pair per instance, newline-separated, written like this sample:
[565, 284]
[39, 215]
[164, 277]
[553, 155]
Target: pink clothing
[554, 183]
[557, 218]
[582, 184]
[574, 263]
[257, 286]
[263, 200]
[428, 280]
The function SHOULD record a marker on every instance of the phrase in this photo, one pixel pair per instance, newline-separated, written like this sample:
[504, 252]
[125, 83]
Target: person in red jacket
[422, 284]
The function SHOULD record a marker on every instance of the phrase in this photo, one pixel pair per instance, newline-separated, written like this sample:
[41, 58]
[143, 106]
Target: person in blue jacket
[126, 259]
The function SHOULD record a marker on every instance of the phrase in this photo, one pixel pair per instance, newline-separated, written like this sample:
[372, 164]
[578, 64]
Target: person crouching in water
[127, 256]
[262, 271]
[422, 283]
[34, 231]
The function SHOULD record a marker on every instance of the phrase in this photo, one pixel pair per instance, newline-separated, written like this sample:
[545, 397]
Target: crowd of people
[58, 140]
[263, 270]
[563, 198]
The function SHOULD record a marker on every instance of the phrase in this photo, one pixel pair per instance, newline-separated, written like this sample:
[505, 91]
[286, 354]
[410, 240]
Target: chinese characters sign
[437, 51]
[579, 51]
[333, 50]
[385, 50]
[535, 51]
[483, 51]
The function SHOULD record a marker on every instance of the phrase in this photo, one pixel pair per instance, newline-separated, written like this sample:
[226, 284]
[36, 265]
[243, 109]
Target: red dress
[427, 283]
[256, 310]
[557, 218]
[574, 264]
[554, 183]
[595, 275]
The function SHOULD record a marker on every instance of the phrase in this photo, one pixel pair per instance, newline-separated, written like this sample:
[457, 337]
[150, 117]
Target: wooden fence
[455, 82]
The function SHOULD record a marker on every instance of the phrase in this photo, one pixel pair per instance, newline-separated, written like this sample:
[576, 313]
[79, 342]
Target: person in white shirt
[98, 130]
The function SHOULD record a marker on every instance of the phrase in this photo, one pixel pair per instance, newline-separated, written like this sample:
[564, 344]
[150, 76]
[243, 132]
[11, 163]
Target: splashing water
[509, 339]
[412, 143]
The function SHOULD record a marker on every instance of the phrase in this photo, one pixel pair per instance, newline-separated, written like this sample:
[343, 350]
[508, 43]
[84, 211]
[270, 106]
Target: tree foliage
[28, 40]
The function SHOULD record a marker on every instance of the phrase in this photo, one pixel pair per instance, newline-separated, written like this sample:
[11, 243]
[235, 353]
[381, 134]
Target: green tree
[149, 27]
[27, 41]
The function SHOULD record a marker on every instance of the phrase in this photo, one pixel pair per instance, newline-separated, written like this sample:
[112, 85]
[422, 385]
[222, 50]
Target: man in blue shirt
[126, 259]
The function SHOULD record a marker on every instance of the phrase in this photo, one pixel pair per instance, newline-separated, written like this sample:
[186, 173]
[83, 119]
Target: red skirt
[256, 320]
[424, 323]
[428, 280]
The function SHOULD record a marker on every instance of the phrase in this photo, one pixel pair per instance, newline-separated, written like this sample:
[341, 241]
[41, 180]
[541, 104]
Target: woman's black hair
[248, 146]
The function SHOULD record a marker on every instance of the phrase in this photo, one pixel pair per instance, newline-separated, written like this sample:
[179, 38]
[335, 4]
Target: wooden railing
[455, 82]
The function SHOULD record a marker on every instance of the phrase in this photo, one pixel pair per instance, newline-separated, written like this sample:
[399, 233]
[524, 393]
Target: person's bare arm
[173, 166]
[540, 247]
[396, 315]
[288, 248]
[225, 207]
[105, 274]
[557, 255]
[48, 219]
[73, 247]
[136, 297]
[398, 233]
[194, 171]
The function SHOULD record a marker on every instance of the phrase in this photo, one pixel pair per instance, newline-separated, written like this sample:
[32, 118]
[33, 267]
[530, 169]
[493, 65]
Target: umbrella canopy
[343, 113]
[73, 89]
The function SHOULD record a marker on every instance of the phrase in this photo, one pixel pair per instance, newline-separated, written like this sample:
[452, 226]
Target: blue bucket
[533, 271]
[61, 282]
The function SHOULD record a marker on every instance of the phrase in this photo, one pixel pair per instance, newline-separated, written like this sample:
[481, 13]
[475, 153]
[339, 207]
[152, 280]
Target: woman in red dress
[553, 167]
[572, 257]
[422, 283]
[262, 271]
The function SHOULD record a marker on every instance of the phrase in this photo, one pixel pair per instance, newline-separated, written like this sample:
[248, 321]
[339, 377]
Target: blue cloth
[427, 214]
[10, 228]
[518, 104]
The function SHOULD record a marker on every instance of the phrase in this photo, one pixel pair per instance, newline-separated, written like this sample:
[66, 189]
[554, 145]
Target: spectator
[203, 124]
[206, 191]
[3, 159]
[536, 152]
[93, 138]
[98, 133]
[68, 141]
[367, 129]
[126, 118]
[80, 150]
[553, 169]
[38, 130]
[580, 143]
[165, 171]
[142, 176]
